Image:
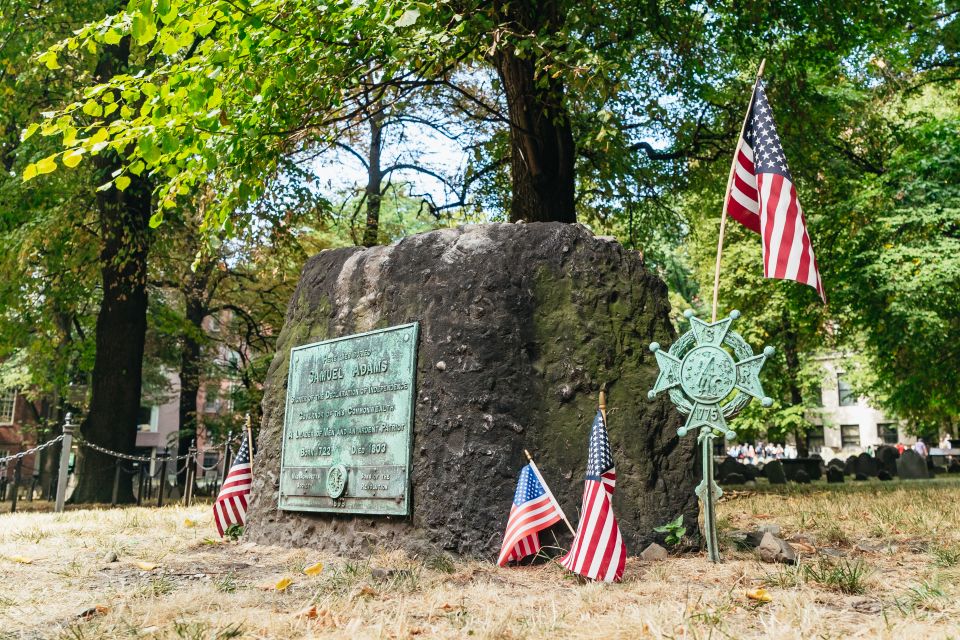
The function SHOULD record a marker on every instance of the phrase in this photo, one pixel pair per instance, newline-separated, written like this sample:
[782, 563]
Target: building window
[888, 432]
[845, 391]
[815, 440]
[211, 399]
[145, 421]
[849, 435]
[8, 401]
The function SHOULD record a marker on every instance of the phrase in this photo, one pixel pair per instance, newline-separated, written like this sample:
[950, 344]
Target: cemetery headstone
[727, 466]
[801, 477]
[883, 474]
[834, 475]
[887, 458]
[519, 326]
[912, 466]
[734, 478]
[867, 465]
[836, 463]
[774, 472]
[850, 466]
[954, 466]
[860, 477]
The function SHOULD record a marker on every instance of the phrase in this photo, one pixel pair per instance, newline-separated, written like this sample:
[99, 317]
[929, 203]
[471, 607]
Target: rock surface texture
[520, 324]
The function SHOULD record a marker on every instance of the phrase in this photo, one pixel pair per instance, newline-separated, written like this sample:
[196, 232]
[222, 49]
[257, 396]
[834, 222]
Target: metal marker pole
[191, 473]
[65, 446]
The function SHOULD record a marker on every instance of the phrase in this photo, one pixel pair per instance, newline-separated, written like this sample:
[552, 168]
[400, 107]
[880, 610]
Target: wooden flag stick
[603, 403]
[726, 193]
[546, 488]
[249, 429]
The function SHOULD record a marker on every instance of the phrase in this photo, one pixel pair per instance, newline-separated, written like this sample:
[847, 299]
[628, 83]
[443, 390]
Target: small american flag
[230, 507]
[534, 509]
[598, 552]
[762, 197]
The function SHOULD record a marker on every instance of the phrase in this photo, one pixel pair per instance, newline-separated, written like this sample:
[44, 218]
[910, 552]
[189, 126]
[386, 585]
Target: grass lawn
[877, 560]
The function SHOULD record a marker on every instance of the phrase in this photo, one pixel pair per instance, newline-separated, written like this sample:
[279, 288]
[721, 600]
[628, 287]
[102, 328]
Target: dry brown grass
[907, 569]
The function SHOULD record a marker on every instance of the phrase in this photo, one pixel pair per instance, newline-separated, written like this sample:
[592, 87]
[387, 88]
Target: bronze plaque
[348, 424]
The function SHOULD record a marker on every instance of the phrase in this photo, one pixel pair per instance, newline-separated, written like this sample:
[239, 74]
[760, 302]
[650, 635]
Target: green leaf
[30, 172]
[112, 37]
[92, 108]
[156, 219]
[49, 59]
[409, 18]
[72, 158]
[29, 131]
[47, 165]
[123, 182]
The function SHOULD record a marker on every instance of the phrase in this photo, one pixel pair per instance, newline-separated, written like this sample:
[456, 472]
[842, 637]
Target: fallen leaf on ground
[760, 595]
[309, 612]
[314, 569]
[22, 559]
[363, 591]
[187, 522]
[146, 566]
[92, 612]
[282, 584]
[803, 547]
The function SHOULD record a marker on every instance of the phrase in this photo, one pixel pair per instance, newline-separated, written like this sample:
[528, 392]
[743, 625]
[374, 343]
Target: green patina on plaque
[348, 425]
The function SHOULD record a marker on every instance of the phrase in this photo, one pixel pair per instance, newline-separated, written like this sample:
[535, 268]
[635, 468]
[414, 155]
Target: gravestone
[887, 458]
[912, 466]
[519, 326]
[954, 466]
[838, 464]
[774, 472]
[810, 466]
[834, 475]
[727, 466]
[850, 466]
[734, 478]
[867, 465]
[883, 474]
[801, 477]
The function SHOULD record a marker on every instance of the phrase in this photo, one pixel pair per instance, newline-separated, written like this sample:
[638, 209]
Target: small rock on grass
[654, 552]
[773, 549]
[110, 556]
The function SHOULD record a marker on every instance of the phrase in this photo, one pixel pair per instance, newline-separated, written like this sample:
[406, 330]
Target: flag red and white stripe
[598, 551]
[230, 507]
[763, 198]
[534, 509]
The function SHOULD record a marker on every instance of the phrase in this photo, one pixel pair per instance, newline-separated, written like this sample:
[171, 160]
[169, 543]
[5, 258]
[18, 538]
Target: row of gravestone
[800, 470]
[887, 463]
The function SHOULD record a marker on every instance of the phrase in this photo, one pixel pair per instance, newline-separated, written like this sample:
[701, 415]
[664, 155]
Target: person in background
[901, 448]
[920, 447]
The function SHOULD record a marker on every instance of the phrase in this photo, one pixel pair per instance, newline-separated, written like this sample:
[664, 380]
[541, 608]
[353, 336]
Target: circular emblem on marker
[708, 374]
[336, 481]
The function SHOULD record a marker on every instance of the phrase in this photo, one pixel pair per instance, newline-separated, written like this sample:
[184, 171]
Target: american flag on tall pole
[598, 552]
[534, 509]
[230, 507]
[762, 197]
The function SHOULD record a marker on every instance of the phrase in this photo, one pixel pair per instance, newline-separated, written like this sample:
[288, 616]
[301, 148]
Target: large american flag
[534, 509]
[230, 507]
[763, 198]
[598, 552]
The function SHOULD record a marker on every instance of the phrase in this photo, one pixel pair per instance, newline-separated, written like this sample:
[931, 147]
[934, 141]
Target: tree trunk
[542, 150]
[792, 357]
[374, 192]
[121, 323]
[190, 363]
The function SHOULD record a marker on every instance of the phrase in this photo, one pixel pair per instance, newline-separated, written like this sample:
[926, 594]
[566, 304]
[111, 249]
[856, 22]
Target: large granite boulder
[520, 325]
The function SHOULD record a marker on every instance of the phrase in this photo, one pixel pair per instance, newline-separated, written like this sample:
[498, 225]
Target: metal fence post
[16, 484]
[163, 478]
[65, 447]
[116, 483]
[191, 473]
[140, 483]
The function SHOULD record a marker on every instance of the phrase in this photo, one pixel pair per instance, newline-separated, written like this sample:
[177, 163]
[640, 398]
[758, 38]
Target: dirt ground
[877, 560]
